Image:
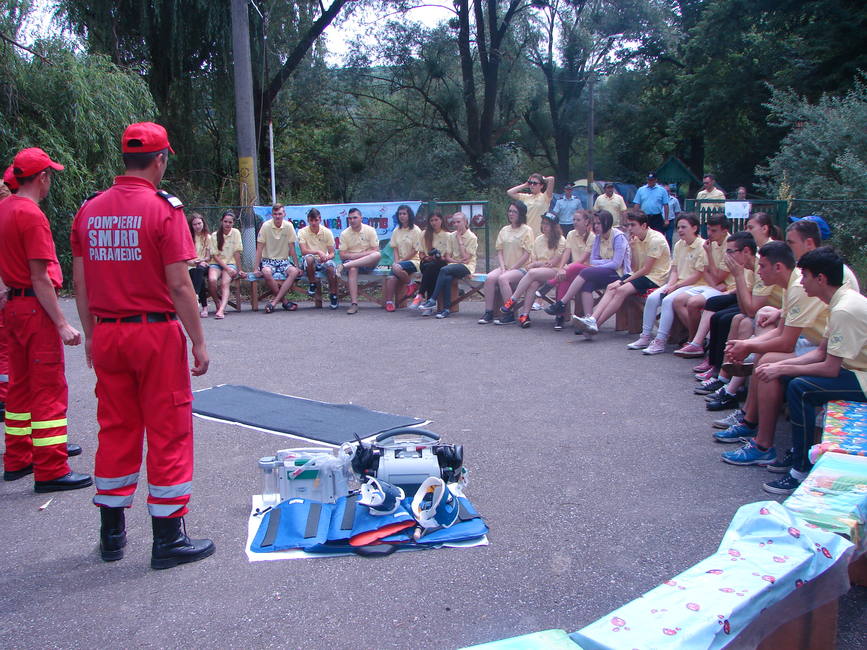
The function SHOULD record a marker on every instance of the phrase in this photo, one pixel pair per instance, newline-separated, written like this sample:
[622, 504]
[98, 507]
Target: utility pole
[245, 124]
[590, 138]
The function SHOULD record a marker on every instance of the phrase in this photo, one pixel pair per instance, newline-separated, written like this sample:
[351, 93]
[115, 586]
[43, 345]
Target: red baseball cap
[28, 162]
[10, 180]
[144, 137]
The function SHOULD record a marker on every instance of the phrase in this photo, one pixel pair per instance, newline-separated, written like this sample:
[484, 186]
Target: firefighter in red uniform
[130, 246]
[36, 331]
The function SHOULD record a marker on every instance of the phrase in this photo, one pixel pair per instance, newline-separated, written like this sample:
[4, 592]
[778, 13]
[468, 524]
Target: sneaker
[708, 386]
[429, 304]
[332, 300]
[784, 485]
[444, 313]
[722, 403]
[704, 366]
[781, 465]
[717, 394]
[537, 306]
[416, 302]
[749, 454]
[730, 420]
[558, 323]
[312, 289]
[690, 351]
[735, 433]
[524, 321]
[704, 376]
[656, 346]
[353, 309]
[389, 306]
[427, 311]
[508, 306]
[486, 319]
[639, 344]
[586, 324]
[544, 290]
[555, 308]
[505, 319]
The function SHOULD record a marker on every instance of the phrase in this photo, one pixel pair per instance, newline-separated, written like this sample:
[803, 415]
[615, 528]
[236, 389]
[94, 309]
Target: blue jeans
[804, 395]
[447, 274]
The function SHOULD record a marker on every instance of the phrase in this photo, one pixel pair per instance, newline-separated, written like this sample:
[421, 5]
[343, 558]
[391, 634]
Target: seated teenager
[434, 241]
[460, 257]
[514, 245]
[686, 271]
[275, 253]
[199, 265]
[579, 245]
[545, 259]
[226, 248]
[359, 253]
[317, 255]
[405, 245]
[651, 263]
[609, 259]
[836, 370]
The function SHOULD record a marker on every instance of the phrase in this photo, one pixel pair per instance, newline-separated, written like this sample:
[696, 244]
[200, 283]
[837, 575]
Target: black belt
[13, 293]
[150, 317]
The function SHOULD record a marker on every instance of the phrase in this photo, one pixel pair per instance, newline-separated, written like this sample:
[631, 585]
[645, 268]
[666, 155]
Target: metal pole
[245, 123]
[271, 149]
[590, 138]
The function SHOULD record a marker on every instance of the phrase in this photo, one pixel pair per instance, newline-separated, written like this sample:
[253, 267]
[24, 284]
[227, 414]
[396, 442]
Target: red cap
[144, 137]
[10, 180]
[32, 161]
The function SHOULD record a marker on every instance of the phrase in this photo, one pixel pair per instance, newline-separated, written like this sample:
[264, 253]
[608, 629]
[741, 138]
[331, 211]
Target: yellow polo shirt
[537, 205]
[438, 240]
[406, 242]
[653, 245]
[615, 205]
[799, 310]
[578, 245]
[689, 258]
[719, 257]
[541, 252]
[203, 247]
[316, 241]
[847, 332]
[231, 244]
[276, 241]
[715, 193]
[471, 245]
[513, 242]
[364, 240]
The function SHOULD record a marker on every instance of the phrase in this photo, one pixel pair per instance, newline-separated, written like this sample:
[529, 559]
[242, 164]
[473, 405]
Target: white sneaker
[656, 347]
[537, 306]
[586, 324]
[639, 344]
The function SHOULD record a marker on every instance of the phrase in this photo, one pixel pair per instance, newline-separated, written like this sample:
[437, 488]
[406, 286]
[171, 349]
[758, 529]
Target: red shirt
[25, 235]
[126, 236]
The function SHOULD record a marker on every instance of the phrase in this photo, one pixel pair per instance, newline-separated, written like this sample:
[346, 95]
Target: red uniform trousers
[4, 358]
[37, 397]
[143, 383]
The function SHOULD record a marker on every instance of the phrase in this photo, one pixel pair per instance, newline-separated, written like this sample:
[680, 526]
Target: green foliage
[75, 108]
[823, 158]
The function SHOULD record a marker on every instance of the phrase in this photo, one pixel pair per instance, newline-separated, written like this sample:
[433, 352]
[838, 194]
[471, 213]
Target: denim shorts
[217, 266]
[408, 266]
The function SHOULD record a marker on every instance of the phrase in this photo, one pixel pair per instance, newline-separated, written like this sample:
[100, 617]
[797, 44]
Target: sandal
[269, 308]
[290, 306]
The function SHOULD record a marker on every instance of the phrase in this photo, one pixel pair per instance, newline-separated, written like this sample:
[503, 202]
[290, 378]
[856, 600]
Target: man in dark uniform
[36, 330]
[130, 245]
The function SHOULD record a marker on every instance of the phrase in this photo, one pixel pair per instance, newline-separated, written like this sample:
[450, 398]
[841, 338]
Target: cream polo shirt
[847, 332]
[719, 257]
[575, 242]
[653, 245]
[471, 245]
[316, 241]
[513, 242]
[359, 242]
[231, 244]
[615, 205]
[715, 193]
[439, 240]
[689, 258]
[799, 310]
[203, 247]
[406, 242]
[537, 205]
[541, 252]
[276, 241]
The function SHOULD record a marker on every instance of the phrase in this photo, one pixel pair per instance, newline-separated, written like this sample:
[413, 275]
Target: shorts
[217, 266]
[643, 285]
[703, 290]
[803, 345]
[276, 266]
[320, 266]
[408, 266]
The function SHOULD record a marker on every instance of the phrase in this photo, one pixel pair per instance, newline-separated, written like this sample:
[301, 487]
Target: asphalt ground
[593, 466]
